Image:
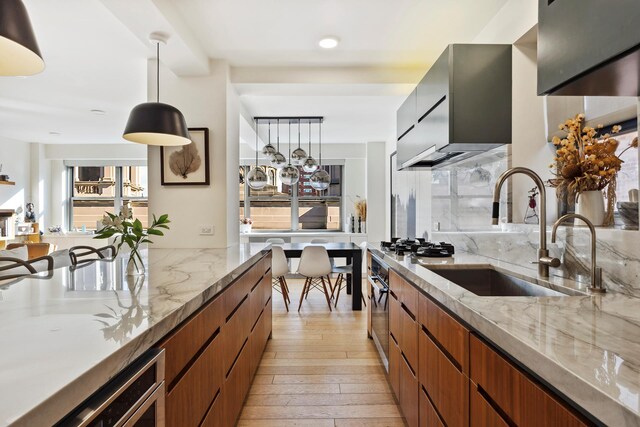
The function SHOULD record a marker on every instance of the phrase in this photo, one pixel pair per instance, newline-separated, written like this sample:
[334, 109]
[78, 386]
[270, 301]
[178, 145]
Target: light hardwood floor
[319, 369]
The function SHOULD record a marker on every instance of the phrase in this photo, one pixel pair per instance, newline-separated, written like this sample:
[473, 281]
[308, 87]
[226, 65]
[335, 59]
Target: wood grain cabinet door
[394, 367]
[395, 322]
[446, 386]
[449, 333]
[523, 400]
[482, 414]
[188, 402]
[428, 415]
[409, 346]
[409, 394]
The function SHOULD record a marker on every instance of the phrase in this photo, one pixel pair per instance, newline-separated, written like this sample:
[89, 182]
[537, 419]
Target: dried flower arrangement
[586, 160]
[361, 209]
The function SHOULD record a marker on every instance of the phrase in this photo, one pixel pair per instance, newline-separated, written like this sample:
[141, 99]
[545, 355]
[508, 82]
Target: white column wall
[204, 103]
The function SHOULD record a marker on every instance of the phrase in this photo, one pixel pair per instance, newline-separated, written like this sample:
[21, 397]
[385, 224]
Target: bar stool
[314, 266]
[341, 283]
[279, 268]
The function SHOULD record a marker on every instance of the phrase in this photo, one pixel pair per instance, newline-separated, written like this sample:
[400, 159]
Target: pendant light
[298, 157]
[155, 123]
[19, 51]
[289, 175]
[257, 178]
[278, 161]
[269, 150]
[310, 164]
[320, 179]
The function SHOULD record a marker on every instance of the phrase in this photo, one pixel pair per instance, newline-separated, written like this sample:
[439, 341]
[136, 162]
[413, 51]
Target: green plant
[129, 230]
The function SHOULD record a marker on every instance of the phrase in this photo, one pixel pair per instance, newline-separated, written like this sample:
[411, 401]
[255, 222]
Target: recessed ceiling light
[54, 133]
[329, 42]
[99, 112]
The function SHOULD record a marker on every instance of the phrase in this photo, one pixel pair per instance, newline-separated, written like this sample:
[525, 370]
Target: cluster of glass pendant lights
[288, 170]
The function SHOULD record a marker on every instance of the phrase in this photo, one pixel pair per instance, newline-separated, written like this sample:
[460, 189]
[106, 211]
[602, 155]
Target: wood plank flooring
[319, 370]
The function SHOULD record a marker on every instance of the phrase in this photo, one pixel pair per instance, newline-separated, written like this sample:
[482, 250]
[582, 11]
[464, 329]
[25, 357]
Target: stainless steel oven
[378, 280]
[134, 398]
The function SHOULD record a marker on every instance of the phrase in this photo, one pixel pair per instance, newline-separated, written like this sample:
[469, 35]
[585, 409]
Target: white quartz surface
[257, 233]
[587, 347]
[62, 338]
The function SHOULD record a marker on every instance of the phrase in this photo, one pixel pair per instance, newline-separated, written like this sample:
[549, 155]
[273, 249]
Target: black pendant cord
[256, 125]
[269, 132]
[298, 133]
[278, 134]
[158, 72]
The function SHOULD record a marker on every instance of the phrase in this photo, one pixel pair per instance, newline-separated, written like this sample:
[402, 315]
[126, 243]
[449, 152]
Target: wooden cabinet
[409, 393]
[428, 415]
[446, 386]
[448, 332]
[394, 367]
[188, 401]
[444, 375]
[482, 414]
[588, 47]
[212, 356]
[523, 400]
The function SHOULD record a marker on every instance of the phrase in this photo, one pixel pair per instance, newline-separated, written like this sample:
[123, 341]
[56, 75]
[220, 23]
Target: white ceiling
[286, 32]
[96, 59]
[92, 62]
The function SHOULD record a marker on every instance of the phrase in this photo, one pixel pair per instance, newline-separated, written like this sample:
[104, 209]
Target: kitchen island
[64, 337]
[579, 353]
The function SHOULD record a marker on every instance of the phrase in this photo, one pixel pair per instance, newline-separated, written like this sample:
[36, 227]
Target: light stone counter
[587, 347]
[64, 337]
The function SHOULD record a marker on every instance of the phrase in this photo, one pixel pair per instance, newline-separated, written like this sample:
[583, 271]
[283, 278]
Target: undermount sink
[487, 282]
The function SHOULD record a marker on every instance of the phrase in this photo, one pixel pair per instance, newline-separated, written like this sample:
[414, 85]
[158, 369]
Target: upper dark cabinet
[406, 116]
[461, 105]
[589, 47]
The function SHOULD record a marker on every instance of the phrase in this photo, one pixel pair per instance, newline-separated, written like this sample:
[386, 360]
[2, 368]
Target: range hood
[460, 108]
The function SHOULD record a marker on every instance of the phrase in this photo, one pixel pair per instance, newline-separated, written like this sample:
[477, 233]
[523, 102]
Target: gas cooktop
[418, 247]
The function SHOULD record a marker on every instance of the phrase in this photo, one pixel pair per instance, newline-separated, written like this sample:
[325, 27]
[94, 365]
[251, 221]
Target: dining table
[350, 251]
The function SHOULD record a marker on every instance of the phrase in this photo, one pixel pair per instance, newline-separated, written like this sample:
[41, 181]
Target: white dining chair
[279, 269]
[275, 241]
[341, 282]
[315, 267]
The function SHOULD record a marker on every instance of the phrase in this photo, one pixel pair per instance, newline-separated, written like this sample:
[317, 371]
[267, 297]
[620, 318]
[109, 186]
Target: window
[99, 189]
[299, 207]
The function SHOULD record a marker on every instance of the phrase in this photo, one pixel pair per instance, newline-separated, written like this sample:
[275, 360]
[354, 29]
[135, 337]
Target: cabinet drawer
[410, 298]
[449, 333]
[257, 300]
[259, 337]
[396, 284]
[236, 292]
[235, 333]
[394, 367]
[409, 344]
[395, 316]
[447, 387]
[482, 414]
[188, 401]
[428, 415]
[185, 342]
[236, 386]
[521, 399]
[215, 415]
[408, 394]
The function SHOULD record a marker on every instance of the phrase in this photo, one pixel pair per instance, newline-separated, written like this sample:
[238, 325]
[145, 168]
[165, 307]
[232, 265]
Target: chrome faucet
[596, 272]
[544, 260]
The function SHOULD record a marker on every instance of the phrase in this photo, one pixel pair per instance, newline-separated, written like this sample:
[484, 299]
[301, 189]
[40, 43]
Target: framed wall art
[187, 164]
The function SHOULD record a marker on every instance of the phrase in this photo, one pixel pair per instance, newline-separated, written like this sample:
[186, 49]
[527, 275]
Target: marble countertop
[301, 234]
[63, 337]
[585, 346]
